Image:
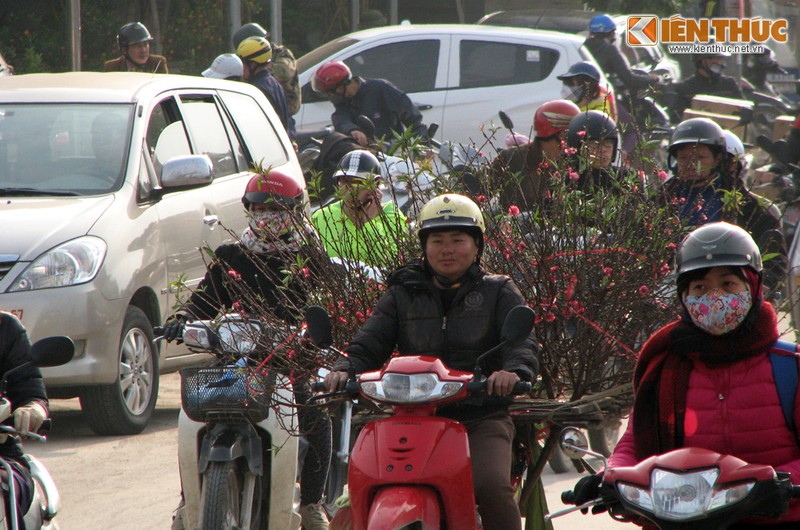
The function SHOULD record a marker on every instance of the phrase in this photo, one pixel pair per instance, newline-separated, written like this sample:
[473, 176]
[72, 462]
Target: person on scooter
[358, 226]
[602, 43]
[390, 109]
[283, 65]
[706, 380]
[134, 41]
[256, 54]
[582, 86]
[708, 78]
[756, 68]
[522, 172]
[446, 305]
[702, 189]
[277, 234]
[594, 138]
[26, 392]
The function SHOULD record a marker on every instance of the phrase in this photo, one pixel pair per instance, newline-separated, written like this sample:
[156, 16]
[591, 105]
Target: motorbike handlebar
[521, 387]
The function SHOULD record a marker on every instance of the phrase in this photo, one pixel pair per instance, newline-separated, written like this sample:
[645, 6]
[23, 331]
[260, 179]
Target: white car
[110, 184]
[460, 76]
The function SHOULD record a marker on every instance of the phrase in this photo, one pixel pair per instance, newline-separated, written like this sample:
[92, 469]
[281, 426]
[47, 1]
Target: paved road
[131, 483]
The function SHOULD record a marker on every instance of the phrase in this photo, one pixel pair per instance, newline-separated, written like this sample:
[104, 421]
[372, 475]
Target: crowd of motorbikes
[239, 465]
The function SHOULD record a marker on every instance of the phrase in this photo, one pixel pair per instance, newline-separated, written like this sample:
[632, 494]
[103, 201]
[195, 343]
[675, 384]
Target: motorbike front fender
[401, 506]
[226, 443]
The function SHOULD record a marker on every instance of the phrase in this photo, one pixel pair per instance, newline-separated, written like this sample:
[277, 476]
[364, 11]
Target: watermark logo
[740, 35]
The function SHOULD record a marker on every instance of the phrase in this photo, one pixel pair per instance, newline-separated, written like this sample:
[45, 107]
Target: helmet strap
[473, 272]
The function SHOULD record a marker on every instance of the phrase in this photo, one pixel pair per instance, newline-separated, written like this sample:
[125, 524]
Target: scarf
[661, 376]
[290, 241]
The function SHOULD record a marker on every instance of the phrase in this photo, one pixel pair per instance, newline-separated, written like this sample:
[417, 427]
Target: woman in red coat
[706, 380]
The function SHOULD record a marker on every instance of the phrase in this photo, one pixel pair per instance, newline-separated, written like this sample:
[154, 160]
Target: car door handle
[211, 220]
[424, 107]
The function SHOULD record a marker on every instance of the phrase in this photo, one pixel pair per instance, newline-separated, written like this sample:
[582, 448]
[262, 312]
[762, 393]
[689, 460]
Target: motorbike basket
[224, 392]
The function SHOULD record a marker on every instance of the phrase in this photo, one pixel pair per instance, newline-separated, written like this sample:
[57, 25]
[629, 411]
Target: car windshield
[63, 149]
[317, 55]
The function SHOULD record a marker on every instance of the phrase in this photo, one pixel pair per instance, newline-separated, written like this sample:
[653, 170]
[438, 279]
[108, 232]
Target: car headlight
[71, 263]
[682, 496]
[414, 388]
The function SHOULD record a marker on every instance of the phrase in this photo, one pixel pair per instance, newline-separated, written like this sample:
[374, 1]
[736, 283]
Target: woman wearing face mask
[706, 380]
[582, 87]
[252, 274]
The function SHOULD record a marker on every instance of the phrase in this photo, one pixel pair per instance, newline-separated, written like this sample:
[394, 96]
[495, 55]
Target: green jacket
[374, 244]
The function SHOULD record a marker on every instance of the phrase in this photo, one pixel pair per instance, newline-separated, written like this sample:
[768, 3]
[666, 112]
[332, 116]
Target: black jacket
[614, 64]
[260, 282]
[411, 318]
[682, 93]
[25, 385]
[380, 101]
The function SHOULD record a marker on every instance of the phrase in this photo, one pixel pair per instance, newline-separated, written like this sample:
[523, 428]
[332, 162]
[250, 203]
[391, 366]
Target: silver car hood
[34, 225]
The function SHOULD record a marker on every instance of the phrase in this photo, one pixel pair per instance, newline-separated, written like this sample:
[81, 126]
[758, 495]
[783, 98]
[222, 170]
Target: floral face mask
[718, 312]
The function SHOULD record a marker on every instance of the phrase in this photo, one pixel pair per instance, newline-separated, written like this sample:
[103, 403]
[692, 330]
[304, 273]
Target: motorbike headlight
[239, 337]
[683, 496]
[414, 388]
[71, 263]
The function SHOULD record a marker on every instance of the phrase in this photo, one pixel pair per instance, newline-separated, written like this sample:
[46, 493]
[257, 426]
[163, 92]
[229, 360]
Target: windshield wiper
[19, 192]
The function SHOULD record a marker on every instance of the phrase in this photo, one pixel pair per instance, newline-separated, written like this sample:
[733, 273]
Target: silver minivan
[110, 183]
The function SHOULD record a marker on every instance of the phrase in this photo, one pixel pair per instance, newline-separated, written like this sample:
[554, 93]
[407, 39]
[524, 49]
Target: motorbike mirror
[366, 126]
[52, 351]
[518, 324]
[506, 120]
[572, 441]
[432, 128]
[764, 142]
[781, 152]
[319, 326]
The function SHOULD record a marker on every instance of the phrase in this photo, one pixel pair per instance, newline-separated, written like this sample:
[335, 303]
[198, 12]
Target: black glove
[173, 329]
[587, 489]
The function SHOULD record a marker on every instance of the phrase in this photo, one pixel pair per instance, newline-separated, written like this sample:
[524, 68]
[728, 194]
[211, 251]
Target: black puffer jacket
[411, 318]
[259, 283]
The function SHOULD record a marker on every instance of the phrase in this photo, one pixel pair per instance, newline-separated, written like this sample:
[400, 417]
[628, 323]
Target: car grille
[6, 262]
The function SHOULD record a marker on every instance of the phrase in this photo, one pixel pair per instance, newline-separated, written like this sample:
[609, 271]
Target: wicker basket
[224, 392]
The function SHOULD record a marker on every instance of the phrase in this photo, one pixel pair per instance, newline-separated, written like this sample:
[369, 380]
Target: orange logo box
[642, 30]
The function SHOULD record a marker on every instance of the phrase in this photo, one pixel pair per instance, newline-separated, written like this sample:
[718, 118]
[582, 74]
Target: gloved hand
[173, 329]
[29, 418]
[587, 489]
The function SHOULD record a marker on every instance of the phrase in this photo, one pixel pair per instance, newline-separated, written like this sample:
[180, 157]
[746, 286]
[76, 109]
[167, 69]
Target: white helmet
[735, 149]
[225, 66]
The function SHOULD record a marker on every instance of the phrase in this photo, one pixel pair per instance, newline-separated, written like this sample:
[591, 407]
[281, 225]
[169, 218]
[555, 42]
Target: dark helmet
[133, 33]
[275, 187]
[717, 245]
[330, 76]
[697, 57]
[602, 24]
[251, 29]
[594, 125]
[696, 131]
[359, 164]
[581, 68]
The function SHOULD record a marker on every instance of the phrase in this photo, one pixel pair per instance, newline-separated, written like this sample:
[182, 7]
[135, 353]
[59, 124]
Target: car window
[260, 138]
[410, 65]
[166, 135]
[486, 63]
[208, 133]
[64, 147]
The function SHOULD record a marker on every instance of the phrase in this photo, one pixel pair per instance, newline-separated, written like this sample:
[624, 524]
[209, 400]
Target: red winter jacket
[734, 409]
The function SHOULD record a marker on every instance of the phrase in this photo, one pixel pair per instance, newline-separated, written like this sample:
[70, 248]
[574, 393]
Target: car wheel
[603, 439]
[125, 406]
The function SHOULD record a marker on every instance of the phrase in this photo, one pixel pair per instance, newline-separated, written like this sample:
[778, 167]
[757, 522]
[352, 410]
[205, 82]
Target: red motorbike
[685, 489]
[411, 469]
